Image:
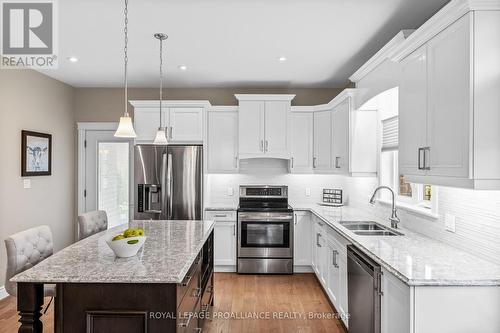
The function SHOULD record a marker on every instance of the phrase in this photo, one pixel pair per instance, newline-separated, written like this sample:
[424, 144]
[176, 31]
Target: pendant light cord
[125, 30]
[161, 79]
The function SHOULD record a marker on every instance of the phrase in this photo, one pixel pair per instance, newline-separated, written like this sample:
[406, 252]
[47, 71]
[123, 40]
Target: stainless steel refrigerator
[168, 182]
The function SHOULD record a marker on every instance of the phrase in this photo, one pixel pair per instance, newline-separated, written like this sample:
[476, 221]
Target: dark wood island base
[126, 307]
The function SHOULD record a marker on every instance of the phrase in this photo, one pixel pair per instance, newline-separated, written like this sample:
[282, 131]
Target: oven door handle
[255, 217]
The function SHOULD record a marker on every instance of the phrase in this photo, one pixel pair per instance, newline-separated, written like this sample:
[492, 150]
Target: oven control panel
[264, 191]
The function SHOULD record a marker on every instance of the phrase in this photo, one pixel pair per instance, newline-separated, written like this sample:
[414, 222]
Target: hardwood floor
[239, 299]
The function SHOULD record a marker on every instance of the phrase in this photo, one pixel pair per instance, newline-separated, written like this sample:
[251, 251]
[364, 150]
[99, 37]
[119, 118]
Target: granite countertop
[414, 258]
[220, 208]
[167, 255]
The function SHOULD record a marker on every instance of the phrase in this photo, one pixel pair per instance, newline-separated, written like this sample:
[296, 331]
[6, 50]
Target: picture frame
[36, 154]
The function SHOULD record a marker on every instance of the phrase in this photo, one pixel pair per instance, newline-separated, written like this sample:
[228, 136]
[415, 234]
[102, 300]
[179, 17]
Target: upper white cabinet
[345, 140]
[301, 128]
[264, 129]
[322, 158]
[222, 140]
[184, 120]
[340, 118]
[448, 116]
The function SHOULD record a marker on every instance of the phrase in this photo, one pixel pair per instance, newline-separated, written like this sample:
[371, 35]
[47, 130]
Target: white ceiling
[229, 42]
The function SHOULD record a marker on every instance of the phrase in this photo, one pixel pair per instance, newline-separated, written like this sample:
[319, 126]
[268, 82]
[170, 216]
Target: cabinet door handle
[295, 219]
[234, 230]
[420, 151]
[335, 252]
[318, 235]
[171, 131]
[261, 145]
[236, 161]
[314, 162]
[337, 162]
[291, 162]
[427, 165]
[267, 146]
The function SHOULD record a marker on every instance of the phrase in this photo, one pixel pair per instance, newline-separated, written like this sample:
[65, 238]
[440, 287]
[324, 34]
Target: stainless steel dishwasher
[364, 292]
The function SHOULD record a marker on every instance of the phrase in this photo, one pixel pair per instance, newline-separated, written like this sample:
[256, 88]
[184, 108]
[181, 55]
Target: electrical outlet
[308, 192]
[27, 183]
[449, 222]
[230, 191]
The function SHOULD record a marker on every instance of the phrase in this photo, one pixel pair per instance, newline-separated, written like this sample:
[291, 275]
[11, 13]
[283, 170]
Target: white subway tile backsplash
[477, 213]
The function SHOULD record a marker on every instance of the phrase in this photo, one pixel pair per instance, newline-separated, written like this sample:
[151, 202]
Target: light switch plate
[27, 183]
[230, 191]
[449, 222]
[308, 192]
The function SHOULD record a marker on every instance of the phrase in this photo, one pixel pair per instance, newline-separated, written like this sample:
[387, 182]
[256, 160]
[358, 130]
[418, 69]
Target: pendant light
[161, 138]
[125, 127]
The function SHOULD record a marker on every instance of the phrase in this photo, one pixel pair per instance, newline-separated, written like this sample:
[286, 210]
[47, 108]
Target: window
[415, 197]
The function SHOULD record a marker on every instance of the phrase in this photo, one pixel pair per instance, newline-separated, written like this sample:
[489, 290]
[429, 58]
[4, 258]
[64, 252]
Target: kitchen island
[166, 287]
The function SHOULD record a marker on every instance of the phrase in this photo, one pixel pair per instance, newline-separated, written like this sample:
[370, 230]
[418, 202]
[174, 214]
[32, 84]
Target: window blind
[390, 134]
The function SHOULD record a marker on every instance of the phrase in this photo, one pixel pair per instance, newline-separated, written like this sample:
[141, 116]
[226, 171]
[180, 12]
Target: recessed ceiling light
[183, 67]
[282, 59]
[73, 59]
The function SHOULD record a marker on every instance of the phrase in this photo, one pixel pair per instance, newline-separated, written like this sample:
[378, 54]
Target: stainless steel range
[265, 230]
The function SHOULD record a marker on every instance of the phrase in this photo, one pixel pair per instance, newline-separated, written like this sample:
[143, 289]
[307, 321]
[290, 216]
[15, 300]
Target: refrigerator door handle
[169, 187]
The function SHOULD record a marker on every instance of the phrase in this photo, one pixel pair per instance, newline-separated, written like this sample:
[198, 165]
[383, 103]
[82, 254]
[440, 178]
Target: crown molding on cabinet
[154, 103]
[440, 21]
[379, 57]
[266, 97]
[348, 92]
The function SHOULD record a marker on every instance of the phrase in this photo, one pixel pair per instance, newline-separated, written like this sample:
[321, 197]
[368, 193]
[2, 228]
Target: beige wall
[32, 101]
[106, 104]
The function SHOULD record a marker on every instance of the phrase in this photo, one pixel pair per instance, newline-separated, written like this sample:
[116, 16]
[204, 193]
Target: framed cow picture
[36, 154]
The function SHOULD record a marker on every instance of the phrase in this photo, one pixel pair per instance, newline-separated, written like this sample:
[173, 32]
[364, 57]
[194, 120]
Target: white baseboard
[3, 293]
[225, 269]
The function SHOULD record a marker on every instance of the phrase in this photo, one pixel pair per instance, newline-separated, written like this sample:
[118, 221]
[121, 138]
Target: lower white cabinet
[395, 304]
[329, 262]
[225, 244]
[302, 239]
[224, 239]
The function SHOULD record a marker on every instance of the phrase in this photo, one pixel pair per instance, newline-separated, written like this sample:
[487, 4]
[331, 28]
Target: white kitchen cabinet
[222, 140]
[322, 159]
[413, 113]
[225, 244]
[395, 304]
[302, 239]
[224, 239]
[186, 124]
[449, 91]
[449, 129]
[340, 126]
[333, 278]
[184, 120]
[301, 124]
[147, 121]
[320, 251]
[345, 140]
[264, 130]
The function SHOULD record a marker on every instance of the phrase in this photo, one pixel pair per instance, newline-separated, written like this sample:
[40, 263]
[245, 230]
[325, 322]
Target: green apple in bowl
[127, 243]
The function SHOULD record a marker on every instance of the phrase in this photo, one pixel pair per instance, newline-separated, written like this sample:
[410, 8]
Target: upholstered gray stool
[91, 223]
[26, 249]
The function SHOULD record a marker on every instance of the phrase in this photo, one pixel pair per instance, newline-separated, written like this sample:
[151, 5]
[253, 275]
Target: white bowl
[122, 248]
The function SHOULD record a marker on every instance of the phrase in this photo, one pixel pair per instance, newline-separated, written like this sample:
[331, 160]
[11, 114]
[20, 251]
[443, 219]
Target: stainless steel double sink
[369, 228]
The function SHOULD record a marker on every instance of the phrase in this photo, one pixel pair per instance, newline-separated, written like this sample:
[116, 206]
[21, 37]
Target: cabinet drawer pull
[335, 253]
[420, 150]
[220, 215]
[318, 235]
